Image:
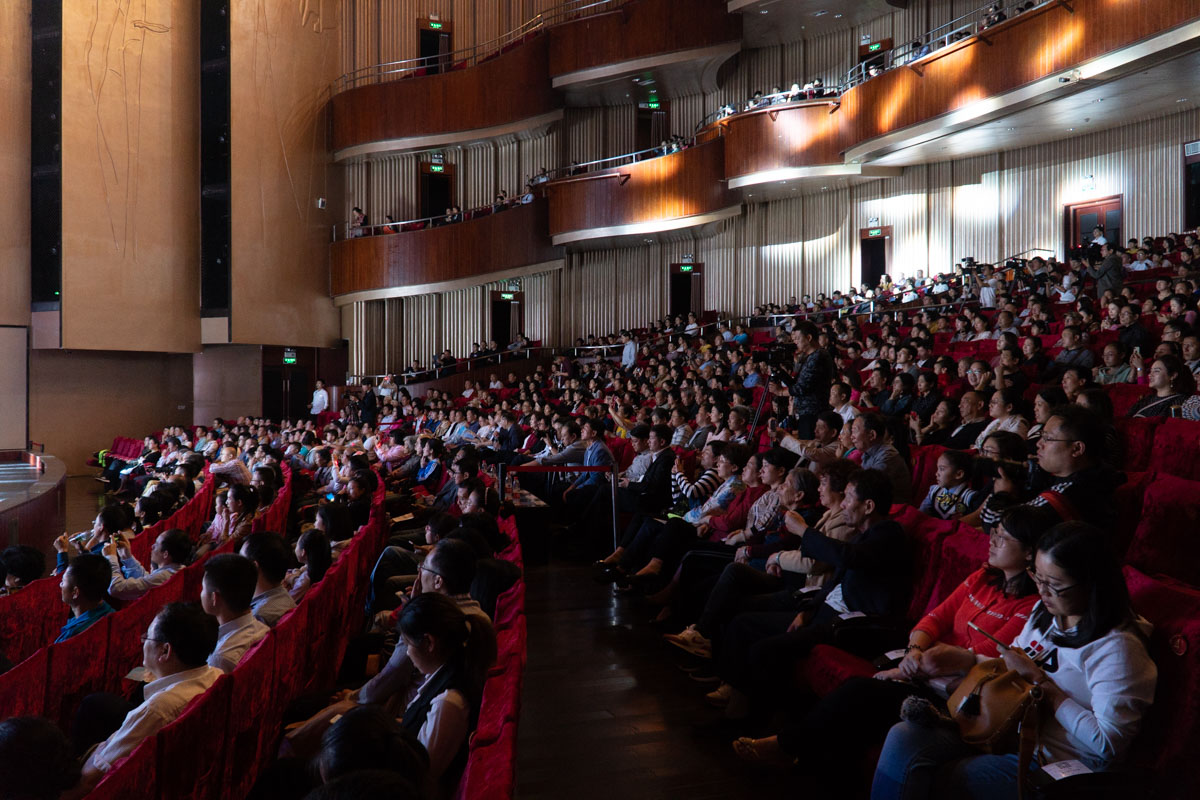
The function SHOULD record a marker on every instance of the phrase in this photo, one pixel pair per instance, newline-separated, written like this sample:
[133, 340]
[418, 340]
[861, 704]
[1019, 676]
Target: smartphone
[329, 496]
[772, 424]
[1137, 351]
[987, 635]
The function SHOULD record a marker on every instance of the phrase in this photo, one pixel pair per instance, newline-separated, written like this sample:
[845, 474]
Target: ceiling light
[1182, 100]
[820, 13]
[837, 16]
[1070, 129]
[1098, 100]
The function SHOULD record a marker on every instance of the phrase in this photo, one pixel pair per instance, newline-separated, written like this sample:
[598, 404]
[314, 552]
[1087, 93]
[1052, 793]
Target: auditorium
[544, 399]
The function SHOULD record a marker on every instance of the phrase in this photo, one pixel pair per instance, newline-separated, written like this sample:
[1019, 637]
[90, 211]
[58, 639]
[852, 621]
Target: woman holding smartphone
[1083, 645]
[997, 597]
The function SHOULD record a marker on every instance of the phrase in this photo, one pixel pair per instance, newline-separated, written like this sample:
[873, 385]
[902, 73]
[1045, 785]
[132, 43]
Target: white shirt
[271, 605]
[445, 727]
[320, 401]
[165, 700]
[234, 638]
[130, 581]
[1109, 684]
[847, 413]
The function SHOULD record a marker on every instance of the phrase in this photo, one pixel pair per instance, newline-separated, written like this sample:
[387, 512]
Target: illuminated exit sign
[507, 296]
[875, 48]
[436, 168]
[875, 232]
[435, 26]
[289, 356]
[686, 267]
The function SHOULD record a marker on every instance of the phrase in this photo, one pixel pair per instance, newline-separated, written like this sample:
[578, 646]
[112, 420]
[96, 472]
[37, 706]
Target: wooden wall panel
[282, 57]
[131, 175]
[15, 87]
[506, 89]
[638, 29]
[682, 184]
[795, 136]
[513, 238]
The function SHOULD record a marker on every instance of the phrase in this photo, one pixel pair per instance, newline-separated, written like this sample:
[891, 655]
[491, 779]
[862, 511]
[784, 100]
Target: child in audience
[952, 496]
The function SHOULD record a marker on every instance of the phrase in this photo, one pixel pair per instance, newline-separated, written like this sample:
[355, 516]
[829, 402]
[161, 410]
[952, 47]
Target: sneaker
[705, 675]
[719, 697]
[691, 641]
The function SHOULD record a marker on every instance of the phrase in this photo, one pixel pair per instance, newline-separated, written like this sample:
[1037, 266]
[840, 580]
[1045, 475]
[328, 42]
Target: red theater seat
[1167, 540]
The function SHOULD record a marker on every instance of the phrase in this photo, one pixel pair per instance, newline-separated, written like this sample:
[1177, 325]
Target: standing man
[1108, 274]
[320, 401]
[629, 352]
[369, 408]
[814, 376]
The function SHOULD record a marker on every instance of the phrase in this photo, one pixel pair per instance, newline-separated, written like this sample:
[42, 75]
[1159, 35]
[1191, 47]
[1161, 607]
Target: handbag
[998, 711]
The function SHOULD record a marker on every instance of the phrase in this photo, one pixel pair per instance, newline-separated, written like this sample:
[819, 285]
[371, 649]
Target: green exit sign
[436, 168]
[435, 26]
[289, 356]
[507, 296]
[686, 267]
[875, 48]
[654, 104]
[875, 232]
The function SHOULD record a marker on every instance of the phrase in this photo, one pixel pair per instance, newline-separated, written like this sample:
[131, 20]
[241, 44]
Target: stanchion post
[613, 483]
[500, 477]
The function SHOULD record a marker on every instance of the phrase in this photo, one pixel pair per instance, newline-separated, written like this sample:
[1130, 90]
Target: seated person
[20, 565]
[233, 519]
[36, 762]
[270, 556]
[952, 496]
[226, 591]
[998, 597]
[315, 557]
[168, 555]
[84, 583]
[1083, 619]
[368, 738]
[175, 647]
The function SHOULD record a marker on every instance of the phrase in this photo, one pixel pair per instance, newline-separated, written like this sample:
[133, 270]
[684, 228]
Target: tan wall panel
[226, 382]
[14, 161]
[283, 56]
[131, 192]
[80, 400]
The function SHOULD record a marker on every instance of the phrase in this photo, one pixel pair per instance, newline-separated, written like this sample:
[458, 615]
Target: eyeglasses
[1046, 588]
[146, 638]
[1051, 439]
[423, 568]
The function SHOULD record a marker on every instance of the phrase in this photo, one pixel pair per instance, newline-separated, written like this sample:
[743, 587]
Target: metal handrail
[617, 161]
[473, 55]
[784, 99]
[352, 231]
[957, 29]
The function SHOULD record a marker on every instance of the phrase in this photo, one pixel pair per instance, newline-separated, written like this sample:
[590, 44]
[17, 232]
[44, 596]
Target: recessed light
[1070, 129]
[1182, 100]
[837, 16]
[820, 13]
[1012, 129]
[764, 11]
[1098, 100]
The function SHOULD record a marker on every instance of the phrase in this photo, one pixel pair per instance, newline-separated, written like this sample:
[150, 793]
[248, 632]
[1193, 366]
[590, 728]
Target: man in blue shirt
[585, 488]
[83, 586]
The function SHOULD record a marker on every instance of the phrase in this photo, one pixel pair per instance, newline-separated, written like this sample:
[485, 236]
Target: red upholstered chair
[501, 704]
[924, 467]
[136, 775]
[1124, 395]
[291, 646]
[1129, 499]
[827, 667]
[31, 618]
[77, 668]
[254, 718]
[1137, 439]
[511, 643]
[191, 750]
[491, 772]
[1167, 540]
[1176, 448]
[963, 551]
[510, 605]
[127, 627]
[1171, 728]
[23, 688]
[925, 536]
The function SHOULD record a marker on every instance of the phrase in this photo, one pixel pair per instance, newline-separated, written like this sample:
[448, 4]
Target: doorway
[875, 248]
[286, 391]
[437, 189]
[434, 44]
[1191, 186]
[1082, 218]
[686, 290]
[652, 128]
[508, 316]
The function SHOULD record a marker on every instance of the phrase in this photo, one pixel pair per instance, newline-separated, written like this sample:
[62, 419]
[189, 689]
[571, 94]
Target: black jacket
[873, 568]
[653, 491]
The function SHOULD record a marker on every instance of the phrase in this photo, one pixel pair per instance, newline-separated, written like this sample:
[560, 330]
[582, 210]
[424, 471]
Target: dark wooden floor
[606, 713]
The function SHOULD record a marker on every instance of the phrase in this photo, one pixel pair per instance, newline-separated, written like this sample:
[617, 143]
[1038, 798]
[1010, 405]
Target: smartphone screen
[987, 635]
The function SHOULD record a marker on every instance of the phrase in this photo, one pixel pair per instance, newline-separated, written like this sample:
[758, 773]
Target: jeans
[921, 762]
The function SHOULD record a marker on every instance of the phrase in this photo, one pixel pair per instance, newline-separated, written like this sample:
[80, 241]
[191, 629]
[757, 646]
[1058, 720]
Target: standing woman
[814, 376]
[1085, 648]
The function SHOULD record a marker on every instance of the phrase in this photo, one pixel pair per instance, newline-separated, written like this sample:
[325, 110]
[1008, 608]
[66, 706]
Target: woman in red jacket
[856, 716]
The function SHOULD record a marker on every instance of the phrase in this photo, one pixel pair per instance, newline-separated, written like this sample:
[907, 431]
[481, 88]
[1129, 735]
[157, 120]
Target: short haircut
[736, 454]
[663, 432]
[233, 577]
[91, 574]
[367, 736]
[640, 432]
[191, 633]
[1084, 426]
[25, 563]
[572, 428]
[177, 545]
[780, 458]
[959, 461]
[454, 560]
[833, 419]
[837, 472]
[873, 485]
[113, 518]
[36, 759]
[874, 423]
[441, 524]
[248, 496]
[269, 552]
[366, 479]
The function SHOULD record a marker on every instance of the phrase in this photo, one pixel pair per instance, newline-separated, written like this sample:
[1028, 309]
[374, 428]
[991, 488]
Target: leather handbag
[998, 711]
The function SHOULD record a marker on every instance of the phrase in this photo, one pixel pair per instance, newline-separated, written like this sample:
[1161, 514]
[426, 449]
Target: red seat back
[1176, 447]
[191, 750]
[77, 668]
[254, 720]
[23, 688]
[1137, 440]
[136, 775]
[128, 625]
[925, 536]
[30, 619]
[1166, 540]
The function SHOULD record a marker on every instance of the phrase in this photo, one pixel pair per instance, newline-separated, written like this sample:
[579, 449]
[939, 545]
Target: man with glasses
[174, 650]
